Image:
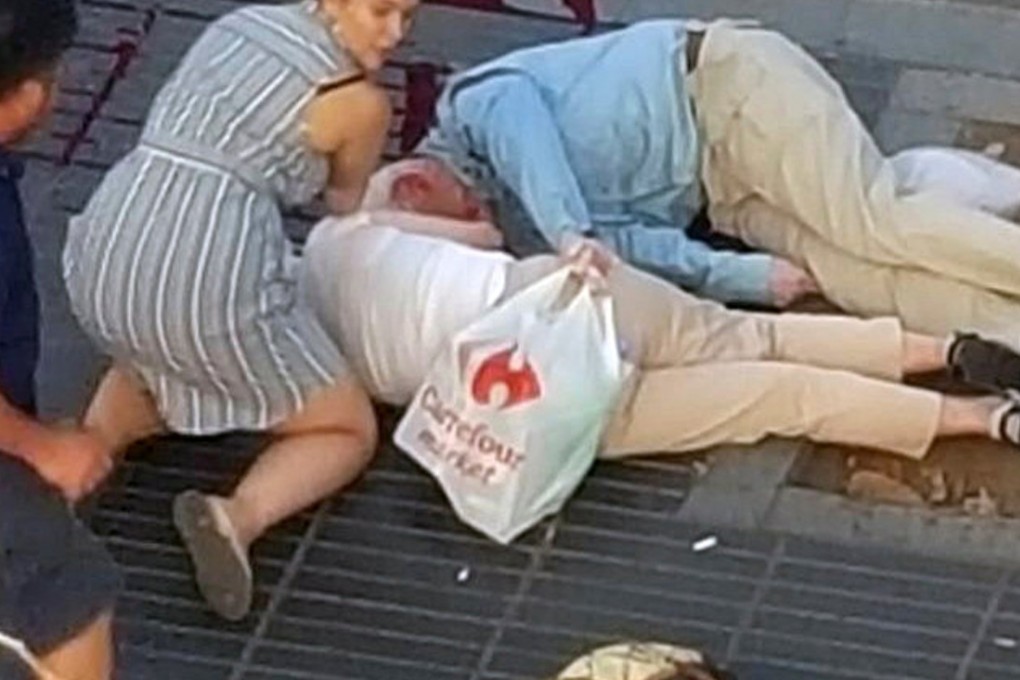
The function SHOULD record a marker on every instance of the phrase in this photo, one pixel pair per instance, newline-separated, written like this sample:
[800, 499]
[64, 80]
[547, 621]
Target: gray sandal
[221, 564]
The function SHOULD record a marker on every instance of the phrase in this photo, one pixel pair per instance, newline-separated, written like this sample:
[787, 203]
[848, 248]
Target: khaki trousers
[708, 375]
[782, 146]
[926, 302]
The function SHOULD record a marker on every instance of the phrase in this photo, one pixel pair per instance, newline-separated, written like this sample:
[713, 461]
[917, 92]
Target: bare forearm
[343, 201]
[475, 234]
[20, 435]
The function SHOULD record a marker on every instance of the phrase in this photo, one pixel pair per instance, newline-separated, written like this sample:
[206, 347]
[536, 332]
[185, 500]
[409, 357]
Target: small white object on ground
[706, 543]
[995, 150]
[1005, 642]
[463, 575]
[982, 505]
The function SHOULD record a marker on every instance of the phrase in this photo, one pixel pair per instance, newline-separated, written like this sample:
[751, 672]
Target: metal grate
[383, 583]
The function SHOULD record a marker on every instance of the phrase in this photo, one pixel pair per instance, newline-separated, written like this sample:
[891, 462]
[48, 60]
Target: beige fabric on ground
[661, 325]
[629, 661]
[926, 302]
[711, 375]
[694, 407]
[777, 126]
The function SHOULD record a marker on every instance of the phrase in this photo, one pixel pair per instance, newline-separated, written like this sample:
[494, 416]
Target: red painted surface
[422, 91]
[126, 50]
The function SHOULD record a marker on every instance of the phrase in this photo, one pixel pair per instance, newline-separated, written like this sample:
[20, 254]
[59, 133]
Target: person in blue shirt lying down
[626, 136]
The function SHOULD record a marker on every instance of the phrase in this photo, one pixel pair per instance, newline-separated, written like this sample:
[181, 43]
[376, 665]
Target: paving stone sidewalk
[383, 583]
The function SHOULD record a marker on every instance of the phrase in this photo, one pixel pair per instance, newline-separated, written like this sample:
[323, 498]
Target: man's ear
[22, 107]
[409, 188]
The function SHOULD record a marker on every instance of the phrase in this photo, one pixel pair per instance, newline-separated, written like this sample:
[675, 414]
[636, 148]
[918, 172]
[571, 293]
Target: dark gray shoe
[982, 363]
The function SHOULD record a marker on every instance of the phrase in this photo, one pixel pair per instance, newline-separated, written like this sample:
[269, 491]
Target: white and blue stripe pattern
[179, 266]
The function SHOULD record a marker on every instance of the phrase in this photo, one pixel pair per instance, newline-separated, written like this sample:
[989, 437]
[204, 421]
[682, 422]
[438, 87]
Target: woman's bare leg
[316, 453]
[122, 411]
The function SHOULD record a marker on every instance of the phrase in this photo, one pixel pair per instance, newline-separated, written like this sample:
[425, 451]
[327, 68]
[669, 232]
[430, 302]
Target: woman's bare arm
[351, 125]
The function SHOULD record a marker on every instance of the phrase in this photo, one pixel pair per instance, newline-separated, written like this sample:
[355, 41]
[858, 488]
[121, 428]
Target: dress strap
[340, 83]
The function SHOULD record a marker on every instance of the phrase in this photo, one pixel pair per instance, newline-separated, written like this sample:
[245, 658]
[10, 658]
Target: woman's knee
[342, 409]
[122, 410]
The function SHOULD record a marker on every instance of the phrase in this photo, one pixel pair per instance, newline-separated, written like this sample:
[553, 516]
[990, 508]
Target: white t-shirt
[391, 299]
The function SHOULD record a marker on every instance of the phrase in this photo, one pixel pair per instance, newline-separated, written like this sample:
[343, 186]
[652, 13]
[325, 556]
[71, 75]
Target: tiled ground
[383, 583]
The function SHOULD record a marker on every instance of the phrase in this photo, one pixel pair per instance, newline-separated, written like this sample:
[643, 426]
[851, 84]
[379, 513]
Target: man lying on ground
[392, 289]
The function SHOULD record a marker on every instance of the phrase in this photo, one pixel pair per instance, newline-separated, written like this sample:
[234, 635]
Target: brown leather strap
[342, 82]
[694, 41]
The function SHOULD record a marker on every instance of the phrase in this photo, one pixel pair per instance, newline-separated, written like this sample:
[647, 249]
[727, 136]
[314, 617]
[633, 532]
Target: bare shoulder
[350, 111]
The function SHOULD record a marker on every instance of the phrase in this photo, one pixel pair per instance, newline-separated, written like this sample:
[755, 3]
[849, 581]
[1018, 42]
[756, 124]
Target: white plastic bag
[969, 178]
[509, 419]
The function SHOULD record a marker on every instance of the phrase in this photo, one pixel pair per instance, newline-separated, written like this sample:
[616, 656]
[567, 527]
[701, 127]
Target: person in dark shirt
[57, 584]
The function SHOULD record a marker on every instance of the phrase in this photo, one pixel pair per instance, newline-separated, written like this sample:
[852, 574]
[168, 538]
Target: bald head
[426, 186]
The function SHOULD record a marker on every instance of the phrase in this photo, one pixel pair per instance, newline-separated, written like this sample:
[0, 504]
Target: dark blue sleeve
[4, 284]
[19, 304]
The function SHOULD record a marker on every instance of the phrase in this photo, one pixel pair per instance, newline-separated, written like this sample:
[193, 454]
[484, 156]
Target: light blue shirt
[594, 135]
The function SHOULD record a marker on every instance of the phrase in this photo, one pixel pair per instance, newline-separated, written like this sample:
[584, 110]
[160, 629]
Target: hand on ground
[789, 283]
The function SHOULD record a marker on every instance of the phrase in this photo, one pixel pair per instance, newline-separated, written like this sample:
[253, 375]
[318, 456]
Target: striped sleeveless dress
[179, 265]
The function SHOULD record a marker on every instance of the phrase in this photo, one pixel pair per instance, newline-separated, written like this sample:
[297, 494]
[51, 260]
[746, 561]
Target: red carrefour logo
[518, 379]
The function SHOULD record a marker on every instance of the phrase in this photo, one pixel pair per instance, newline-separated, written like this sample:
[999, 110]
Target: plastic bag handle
[575, 287]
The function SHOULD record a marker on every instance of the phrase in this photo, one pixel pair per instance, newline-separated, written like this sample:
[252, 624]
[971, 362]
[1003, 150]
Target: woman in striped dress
[180, 270]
